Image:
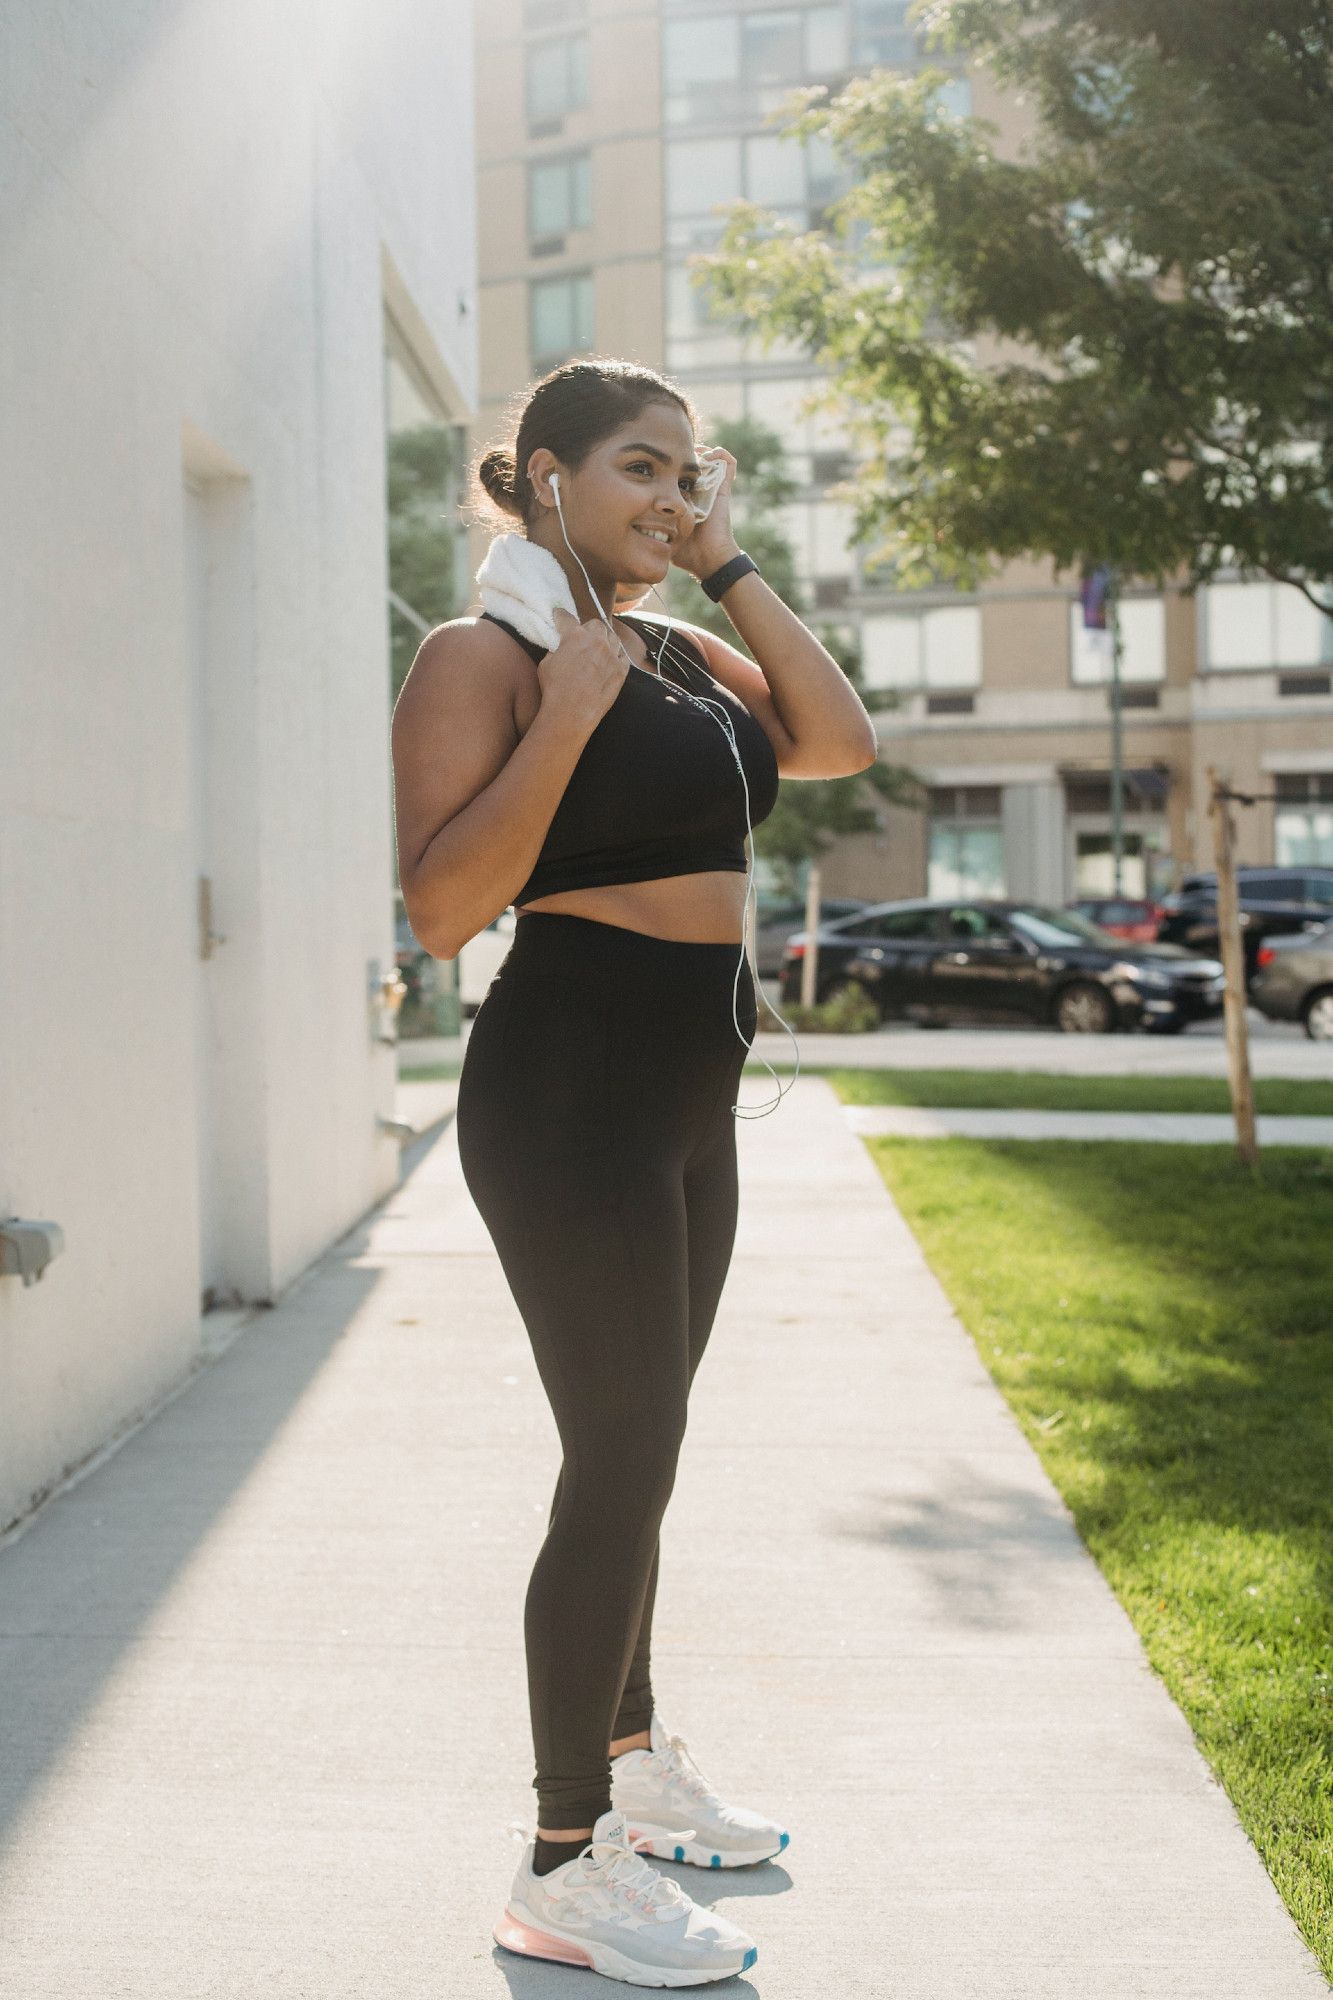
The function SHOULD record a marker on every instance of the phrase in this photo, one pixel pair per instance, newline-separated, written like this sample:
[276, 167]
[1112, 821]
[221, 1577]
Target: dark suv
[1272, 900]
[991, 961]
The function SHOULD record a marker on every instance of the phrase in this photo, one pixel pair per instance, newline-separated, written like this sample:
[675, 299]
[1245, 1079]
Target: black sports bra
[656, 790]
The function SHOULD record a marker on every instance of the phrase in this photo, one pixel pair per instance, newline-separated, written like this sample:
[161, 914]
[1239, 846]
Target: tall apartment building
[608, 130]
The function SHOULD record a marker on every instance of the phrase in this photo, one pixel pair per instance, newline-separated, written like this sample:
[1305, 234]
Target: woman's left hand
[712, 542]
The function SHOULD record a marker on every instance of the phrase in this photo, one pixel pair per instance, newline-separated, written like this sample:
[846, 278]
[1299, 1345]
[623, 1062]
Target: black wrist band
[730, 572]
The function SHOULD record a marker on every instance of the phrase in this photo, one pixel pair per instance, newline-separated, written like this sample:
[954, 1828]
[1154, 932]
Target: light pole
[1100, 593]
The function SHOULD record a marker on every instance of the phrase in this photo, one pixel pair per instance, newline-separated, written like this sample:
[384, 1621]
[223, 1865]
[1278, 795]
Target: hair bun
[498, 473]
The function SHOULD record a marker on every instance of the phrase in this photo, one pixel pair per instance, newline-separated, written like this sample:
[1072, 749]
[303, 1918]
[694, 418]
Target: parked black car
[1294, 981]
[776, 917]
[1273, 901]
[988, 960]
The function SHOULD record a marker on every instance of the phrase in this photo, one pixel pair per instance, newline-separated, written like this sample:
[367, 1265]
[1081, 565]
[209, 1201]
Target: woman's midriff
[688, 909]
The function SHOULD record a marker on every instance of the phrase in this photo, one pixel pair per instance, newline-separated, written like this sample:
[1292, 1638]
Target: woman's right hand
[583, 674]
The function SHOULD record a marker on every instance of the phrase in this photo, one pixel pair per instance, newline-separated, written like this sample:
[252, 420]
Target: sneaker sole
[668, 1846]
[518, 1935]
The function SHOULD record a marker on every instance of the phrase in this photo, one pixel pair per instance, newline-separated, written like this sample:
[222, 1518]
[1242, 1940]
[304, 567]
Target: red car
[1133, 918]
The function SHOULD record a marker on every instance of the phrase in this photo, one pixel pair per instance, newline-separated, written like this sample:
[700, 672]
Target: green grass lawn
[1035, 1090]
[1162, 1325]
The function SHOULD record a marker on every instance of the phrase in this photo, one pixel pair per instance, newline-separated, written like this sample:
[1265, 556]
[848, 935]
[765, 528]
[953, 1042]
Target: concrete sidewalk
[1181, 1128]
[265, 1712]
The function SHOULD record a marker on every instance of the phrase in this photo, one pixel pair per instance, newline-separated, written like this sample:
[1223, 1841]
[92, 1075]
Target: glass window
[1302, 635]
[705, 49]
[701, 172]
[1254, 627]
[981, 925]
[1054, 929]
[951, 646]
[1143, 644]
[557, 73]
[825, 40]
[965, 858]
[1094, 862]
[891, 651]
[1303, 837]
[688, 304]
[771, 50]
[774, 170]
[832, 536]
[561, 317]
[559, 195]
[881, 34]
[824, 172]
[919, 922]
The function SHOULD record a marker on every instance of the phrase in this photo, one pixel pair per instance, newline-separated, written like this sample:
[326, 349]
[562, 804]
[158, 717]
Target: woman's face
[628, 505]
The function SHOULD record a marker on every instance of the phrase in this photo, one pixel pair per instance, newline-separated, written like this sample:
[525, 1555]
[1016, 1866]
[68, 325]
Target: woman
[595, 1106]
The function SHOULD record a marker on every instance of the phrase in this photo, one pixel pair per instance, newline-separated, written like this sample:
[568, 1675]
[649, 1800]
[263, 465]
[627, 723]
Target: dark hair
[569, 411]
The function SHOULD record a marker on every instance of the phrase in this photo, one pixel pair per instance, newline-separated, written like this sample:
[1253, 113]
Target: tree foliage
[423, 470]
[1153, 267]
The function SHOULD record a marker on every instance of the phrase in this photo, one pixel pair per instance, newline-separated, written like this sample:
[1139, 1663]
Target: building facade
[229, 238]
[608, 133]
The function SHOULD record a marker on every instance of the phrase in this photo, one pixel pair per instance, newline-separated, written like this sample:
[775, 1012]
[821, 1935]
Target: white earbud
[724, 721]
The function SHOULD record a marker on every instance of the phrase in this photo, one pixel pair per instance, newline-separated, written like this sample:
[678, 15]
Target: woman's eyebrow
[663, 457]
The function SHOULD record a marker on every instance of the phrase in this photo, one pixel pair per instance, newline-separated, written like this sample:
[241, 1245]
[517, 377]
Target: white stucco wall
[205, 206]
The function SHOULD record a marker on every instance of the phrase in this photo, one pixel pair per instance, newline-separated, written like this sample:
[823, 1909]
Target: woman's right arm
[472, 800]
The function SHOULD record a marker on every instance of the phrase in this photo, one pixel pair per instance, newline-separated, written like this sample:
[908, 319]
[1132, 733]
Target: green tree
[1156, 266]
[811, 815]
[422, 480]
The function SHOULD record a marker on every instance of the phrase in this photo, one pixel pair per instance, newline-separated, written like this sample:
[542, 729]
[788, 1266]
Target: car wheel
[1317, 1014]
[1083, 1009]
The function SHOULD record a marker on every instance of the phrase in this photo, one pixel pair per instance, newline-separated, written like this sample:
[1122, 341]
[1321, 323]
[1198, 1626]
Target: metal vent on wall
[1138, 697]
[950, 704]
[1299, 684]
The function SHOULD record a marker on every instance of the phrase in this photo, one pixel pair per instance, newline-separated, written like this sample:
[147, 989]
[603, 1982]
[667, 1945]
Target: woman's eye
[689, 484]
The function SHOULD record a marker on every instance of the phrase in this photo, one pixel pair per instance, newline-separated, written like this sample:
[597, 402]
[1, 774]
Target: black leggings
[596, 1138]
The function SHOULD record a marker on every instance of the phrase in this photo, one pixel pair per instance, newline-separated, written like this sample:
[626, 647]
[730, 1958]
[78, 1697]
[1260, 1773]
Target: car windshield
[1051, 929]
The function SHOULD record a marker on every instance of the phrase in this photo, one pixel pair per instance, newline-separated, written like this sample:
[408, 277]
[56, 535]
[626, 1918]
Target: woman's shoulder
[469, 658]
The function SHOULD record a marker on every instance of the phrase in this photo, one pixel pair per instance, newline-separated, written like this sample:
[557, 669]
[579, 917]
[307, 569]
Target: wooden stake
[1233, 964]
[810, 963]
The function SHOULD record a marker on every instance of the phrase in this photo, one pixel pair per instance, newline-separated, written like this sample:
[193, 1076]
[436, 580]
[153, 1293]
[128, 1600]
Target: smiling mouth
[660, 536]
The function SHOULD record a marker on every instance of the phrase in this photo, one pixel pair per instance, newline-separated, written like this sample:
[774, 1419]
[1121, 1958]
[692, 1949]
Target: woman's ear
[541, 464]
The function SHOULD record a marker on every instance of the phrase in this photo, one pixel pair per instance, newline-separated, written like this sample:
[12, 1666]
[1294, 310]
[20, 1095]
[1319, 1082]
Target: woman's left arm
[797, 692]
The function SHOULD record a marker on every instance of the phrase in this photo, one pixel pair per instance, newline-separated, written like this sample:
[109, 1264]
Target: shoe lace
[675, 1757]
[618, 1863]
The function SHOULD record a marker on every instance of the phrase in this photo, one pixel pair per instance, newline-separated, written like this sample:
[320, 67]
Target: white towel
[522, 582]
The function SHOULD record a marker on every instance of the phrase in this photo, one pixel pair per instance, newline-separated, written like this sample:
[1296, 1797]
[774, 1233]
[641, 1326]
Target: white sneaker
[666, 1799]
[608, 1910]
